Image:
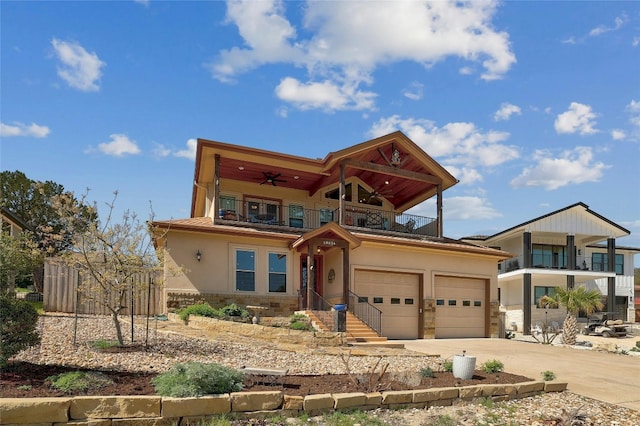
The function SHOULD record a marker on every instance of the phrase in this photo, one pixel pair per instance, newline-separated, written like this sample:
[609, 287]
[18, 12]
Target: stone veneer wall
[157, 410]
[273, 305]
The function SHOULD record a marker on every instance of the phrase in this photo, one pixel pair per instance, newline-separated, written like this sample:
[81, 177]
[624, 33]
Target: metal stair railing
[322, 310]
[365, 312]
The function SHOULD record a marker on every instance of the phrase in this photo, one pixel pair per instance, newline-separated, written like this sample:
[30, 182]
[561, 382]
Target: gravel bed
[166, 349]
[64, 346]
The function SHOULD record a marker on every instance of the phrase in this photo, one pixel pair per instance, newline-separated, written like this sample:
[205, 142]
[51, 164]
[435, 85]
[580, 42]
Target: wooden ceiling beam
[392, 171]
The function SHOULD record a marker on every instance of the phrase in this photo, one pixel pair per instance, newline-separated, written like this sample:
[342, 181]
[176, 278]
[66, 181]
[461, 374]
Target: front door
[304, 278]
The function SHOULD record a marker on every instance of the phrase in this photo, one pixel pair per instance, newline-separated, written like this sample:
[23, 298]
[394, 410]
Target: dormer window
[368, 197]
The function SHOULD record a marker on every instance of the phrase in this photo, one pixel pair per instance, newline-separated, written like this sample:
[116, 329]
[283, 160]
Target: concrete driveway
[603, 376]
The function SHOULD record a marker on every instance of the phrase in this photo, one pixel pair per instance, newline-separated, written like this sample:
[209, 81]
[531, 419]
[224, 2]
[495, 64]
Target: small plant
[299, 322]
[104, 344]
[234, 310]
[548, 375]
[199, 309]
[79, 381]
[447, 365]
[636, 348]
[426, 372]
[493, 366]
[197, 379]
[299, 325]
[25, 387]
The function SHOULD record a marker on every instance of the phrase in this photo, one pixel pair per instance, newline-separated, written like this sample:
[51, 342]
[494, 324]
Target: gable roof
[16, 220]
[580, 220]
[413, 176]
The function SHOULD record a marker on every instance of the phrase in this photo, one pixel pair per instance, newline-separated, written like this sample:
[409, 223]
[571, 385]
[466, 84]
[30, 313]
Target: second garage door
[460, 307]
[396, 295]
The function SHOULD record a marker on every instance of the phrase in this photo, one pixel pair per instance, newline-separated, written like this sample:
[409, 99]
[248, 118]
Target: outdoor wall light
[198, 255]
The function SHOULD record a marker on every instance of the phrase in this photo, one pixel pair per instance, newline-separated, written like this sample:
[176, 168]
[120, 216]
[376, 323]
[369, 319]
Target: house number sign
[328, 243]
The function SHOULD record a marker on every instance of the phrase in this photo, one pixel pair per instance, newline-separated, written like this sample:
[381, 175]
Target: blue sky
[533, 106]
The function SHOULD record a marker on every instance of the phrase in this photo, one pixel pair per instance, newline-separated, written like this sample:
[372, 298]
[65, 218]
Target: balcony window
[277, 273]
[540, 292]
[296, 216]
[334, 194]
[549, 256]
[600, 262]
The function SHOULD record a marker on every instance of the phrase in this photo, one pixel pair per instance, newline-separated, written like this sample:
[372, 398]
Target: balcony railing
[544, 262]
[297, 217]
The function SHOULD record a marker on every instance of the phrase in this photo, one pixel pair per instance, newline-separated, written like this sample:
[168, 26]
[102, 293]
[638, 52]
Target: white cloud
[79, 68]
[160, 151]
[324, 95]
[635, 42]
[578, 119]
[459, 208]
[506, 111]
[465, 175]
[414, 92]
[454, 143]
[618, 135]
[20, 129]
[571, 167]
[341, 53]
[119, 146]
[601, 29]
[190, 151]
[145, 3]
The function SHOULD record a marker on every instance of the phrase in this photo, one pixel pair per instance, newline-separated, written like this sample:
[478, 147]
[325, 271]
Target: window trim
[285, 273]
[236, 269]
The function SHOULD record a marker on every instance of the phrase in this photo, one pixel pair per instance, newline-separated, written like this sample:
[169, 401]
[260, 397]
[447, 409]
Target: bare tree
[109, 255]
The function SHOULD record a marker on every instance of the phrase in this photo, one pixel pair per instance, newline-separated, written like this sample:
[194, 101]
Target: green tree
[19, 256]
[32, 201]
[109, 255]
[575, 300]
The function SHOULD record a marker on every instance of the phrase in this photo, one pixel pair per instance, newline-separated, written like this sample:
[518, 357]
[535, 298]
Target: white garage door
[396, 295]
[460, 307]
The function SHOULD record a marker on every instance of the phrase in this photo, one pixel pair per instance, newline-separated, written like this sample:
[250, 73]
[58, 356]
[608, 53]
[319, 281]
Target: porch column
[611, 281]
[571, 260]
[526, 304]
[526, 250]
[216, 188]
[311, 275]
[346, 274]
[439, 208]
[341, 195]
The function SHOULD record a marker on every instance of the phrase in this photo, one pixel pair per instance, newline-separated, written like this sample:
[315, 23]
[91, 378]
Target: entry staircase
[358, 333]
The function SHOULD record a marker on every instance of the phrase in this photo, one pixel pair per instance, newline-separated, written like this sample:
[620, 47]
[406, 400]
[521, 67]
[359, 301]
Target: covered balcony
[292, 217]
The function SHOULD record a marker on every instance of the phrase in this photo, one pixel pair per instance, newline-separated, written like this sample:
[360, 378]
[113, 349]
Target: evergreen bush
[18, 321]
[196, 379]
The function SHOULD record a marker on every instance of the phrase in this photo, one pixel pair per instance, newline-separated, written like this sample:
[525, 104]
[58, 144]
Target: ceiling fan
[271, 178]
[377, 194]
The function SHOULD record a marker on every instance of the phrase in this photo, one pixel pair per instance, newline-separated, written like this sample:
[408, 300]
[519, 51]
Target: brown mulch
[26, 380]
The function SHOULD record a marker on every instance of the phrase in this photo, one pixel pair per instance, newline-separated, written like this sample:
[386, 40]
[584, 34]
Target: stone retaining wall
[273, 334]
[161, 411]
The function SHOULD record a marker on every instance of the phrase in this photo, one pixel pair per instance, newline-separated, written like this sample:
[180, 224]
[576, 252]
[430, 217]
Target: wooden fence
[61, 294]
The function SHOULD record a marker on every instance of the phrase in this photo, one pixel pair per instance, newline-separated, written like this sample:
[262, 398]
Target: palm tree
[574, 300]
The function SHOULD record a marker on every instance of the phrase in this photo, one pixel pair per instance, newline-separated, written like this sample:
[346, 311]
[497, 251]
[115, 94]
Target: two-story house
[566, 248]
[288, 233]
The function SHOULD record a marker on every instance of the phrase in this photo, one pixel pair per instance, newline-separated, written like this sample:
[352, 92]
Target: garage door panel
[400, 318]
[460, 320]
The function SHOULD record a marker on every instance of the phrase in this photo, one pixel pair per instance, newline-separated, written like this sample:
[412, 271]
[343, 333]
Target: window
[363, 299]
[326, 216]
[440, 302]
[549, 256]
[408, 301]
[334, 194]
[263, 211]
[477, 303]
[395, 300]
[466, 303]
[227, 203]
[378, 300]
[296, 216]
[277, 273]
[366, 197]
[245, 270]
[539, 292]
[452, 303]
[600, 262]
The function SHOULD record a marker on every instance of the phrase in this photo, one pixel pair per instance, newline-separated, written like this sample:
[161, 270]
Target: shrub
[79, 381]
[18, 320]
[234, 310]
[447, 365]
[104, 344]
[493, 366]
[426, 372]
[199, 309]
[299, 325]
[548, 375]
[197, 379]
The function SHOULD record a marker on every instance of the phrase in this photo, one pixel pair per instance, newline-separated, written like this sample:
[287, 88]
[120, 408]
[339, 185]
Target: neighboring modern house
[12, 225]
[288, 233]
[565, 248]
